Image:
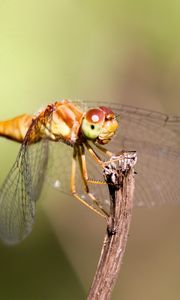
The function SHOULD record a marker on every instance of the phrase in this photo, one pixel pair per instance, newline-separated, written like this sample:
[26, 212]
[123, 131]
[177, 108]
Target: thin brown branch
[120, 179]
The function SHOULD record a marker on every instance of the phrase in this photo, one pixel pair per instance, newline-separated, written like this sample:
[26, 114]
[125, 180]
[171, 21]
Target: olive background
[117, 51]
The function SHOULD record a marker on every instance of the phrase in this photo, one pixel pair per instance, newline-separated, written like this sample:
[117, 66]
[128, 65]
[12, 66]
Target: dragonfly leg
[93, 181]
[84, 174]
[73, 187]
[113, 157]
[104, 150]
[94, 155]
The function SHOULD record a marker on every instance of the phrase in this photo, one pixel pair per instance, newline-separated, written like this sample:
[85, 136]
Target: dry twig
[119, 175]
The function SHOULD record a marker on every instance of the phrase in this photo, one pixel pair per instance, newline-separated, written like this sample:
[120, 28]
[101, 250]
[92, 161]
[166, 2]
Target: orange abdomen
[16, 128]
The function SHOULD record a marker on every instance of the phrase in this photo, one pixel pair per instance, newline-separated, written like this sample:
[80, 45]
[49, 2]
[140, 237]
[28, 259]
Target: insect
[70, 142]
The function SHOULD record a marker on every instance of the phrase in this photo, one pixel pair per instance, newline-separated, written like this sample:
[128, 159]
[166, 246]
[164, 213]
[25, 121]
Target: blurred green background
[126, 51]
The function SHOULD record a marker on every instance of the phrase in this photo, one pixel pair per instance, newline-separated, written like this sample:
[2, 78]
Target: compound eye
[92, 123]
[95, 115]
[108, 112]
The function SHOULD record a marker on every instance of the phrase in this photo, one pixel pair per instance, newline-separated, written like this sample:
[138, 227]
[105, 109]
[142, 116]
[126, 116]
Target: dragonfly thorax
[65, 121]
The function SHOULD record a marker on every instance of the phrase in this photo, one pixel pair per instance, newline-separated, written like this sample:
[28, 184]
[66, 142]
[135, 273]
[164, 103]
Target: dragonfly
[68, 143]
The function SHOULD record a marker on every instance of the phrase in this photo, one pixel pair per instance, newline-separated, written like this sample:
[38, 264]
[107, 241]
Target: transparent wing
[155, 137]
[20, 191]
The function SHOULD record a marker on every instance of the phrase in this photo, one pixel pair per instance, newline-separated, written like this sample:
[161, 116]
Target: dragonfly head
[99, 124]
